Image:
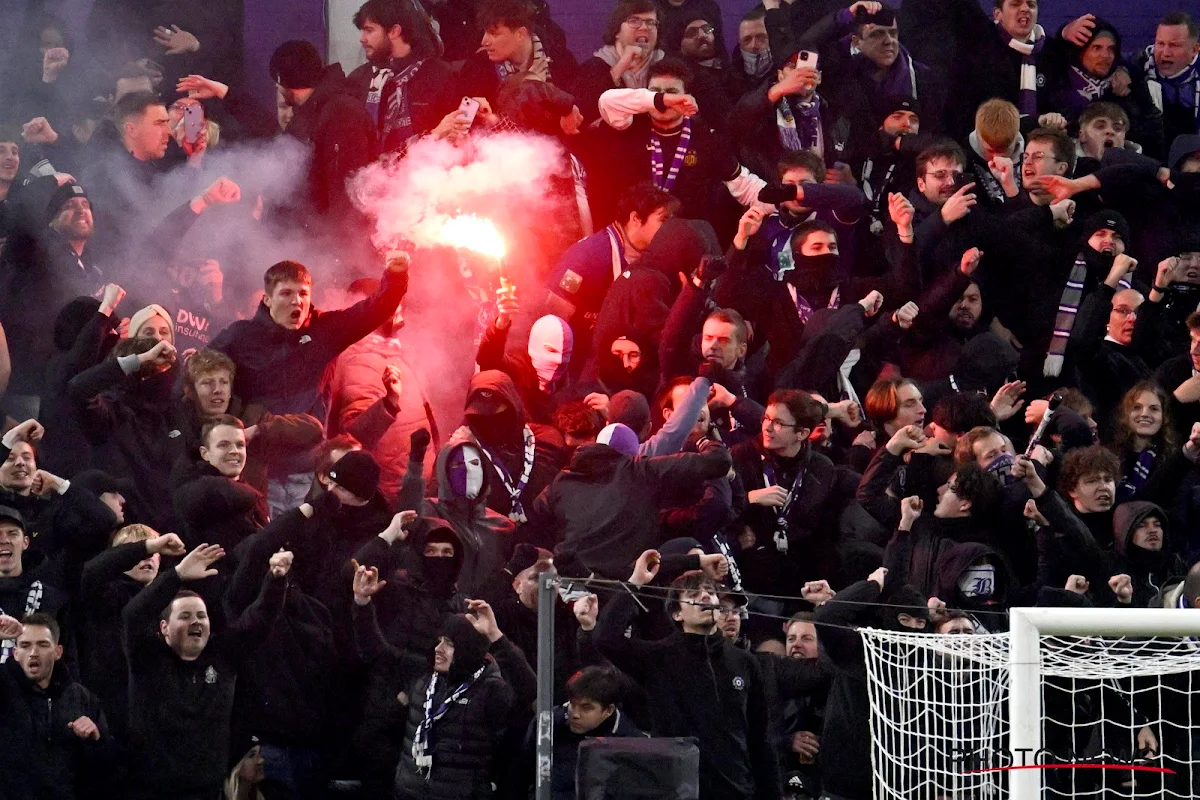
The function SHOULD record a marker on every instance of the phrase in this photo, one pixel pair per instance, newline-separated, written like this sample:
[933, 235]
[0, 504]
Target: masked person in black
[457, 712]
[524, 456]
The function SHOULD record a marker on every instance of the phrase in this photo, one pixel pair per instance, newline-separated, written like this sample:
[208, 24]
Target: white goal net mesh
[1120, 716]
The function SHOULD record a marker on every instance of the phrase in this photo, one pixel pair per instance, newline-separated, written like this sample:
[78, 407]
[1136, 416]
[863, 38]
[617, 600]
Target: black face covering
[1098, 263]
[812, 275]
[440, 573]
[1187, 185]
[496, 429]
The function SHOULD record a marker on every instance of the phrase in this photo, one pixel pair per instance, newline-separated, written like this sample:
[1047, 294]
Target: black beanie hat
[1106, 220]
[62, 195]
[887, 104]
[470, 647]
[296, 64]
[358, 473]
[71, 319]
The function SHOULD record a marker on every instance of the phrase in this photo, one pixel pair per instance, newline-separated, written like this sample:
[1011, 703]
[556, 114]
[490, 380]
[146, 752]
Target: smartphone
[469, 107]
[193, 122]
[963, 179]
[807, 58]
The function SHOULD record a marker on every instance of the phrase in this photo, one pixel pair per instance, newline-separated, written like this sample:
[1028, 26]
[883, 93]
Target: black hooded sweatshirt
[1149, 569]
[501, 436]
[485, 535]
[701, 686]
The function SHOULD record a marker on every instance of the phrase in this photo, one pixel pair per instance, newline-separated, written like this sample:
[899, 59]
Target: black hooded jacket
[44, 759]
[501, 436]
[1149, 569]
[485, 535]
[602, 511]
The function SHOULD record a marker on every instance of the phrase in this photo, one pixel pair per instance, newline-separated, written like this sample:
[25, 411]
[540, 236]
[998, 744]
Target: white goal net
[1066, 705]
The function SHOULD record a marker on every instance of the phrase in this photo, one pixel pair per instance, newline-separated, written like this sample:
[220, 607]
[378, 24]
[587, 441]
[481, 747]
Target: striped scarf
[33, 602]
[1132, 483]
[505, 69]
[1027, 99]
[1178, 90]
[1068, 308]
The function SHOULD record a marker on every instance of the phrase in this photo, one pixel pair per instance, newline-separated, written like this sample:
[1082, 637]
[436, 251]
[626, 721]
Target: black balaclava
[440, 572]
[903, 600]
[499, 429]
[470, 648]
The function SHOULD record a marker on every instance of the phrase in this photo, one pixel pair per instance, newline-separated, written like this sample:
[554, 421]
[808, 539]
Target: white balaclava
[550, 342]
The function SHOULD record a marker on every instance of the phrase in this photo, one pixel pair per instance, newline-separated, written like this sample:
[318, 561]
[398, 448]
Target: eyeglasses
[774, 423]
[692, 33]
[1036, 158]
[1124, 311]
[640, 22]
[943, 174]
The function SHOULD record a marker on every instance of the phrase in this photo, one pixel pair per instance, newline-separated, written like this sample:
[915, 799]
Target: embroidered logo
[305, 339]
[690, 159]
[210, 675]
[739, 682]
[571, 282]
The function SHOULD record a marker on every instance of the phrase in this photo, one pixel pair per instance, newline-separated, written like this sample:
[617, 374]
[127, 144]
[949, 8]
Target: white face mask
[550, 343]
[474, 465]
[978, 581]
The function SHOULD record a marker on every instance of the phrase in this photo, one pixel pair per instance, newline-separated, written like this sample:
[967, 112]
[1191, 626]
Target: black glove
[710, 268]
[775, 194]
[418, 443]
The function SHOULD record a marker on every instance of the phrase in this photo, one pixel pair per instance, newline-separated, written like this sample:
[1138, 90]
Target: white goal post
[981, 715]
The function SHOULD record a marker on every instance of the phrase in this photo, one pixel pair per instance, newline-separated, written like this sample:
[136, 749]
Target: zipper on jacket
[49, 720]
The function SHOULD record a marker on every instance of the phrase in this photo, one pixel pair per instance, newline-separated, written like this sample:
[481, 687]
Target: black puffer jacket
[462, 742]
[44, 760]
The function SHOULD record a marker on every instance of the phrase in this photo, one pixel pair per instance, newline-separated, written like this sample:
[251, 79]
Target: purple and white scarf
[1027, 99]
[799, 124]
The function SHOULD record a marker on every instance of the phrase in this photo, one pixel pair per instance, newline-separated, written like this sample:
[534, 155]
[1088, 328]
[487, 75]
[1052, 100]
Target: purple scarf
[1084, 89]
[900, 80]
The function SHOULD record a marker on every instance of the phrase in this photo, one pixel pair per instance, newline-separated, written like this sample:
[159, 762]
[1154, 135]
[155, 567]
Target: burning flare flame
[478, 234]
